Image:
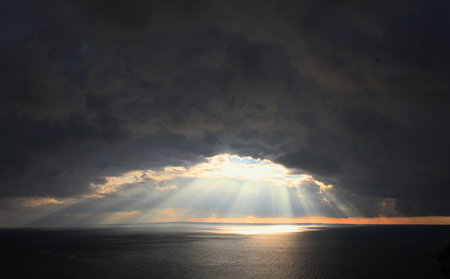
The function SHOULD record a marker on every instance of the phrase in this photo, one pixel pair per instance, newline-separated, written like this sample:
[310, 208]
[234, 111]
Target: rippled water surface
[224, 251]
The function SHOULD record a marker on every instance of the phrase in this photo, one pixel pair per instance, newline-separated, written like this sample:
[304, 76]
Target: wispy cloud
[33, 202]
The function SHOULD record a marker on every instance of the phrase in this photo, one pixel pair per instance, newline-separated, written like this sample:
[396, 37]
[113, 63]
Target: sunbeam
[221, 188]
[224, 186]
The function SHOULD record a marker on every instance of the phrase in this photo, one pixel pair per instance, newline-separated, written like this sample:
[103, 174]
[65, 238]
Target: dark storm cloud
[90, 89]
[320, 163]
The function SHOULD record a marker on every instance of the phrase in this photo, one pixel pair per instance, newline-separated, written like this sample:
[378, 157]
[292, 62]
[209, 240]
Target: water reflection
[267, 229]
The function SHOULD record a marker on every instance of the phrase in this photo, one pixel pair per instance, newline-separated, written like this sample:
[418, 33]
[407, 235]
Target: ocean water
[224, 251]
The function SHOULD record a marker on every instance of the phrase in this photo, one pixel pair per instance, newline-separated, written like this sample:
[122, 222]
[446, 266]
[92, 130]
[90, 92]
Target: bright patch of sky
[221, 187]
[222, 166]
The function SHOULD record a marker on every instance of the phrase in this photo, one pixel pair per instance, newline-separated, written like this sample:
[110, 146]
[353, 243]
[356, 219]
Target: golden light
[264, 229]
[219, 166]
[227, 185]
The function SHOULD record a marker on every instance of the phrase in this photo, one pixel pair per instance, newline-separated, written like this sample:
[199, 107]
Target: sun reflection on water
[268, 229]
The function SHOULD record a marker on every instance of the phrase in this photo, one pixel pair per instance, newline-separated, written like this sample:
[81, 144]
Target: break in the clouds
[350, 94]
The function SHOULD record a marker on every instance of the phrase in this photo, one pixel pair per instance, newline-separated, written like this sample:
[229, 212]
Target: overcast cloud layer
[354, 93]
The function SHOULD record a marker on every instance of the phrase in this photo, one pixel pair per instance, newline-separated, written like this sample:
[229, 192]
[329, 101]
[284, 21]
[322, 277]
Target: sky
[224, 111]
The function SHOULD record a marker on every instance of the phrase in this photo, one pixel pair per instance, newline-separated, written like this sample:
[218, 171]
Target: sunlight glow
[219, 166]
[221, 188]
[264, 229]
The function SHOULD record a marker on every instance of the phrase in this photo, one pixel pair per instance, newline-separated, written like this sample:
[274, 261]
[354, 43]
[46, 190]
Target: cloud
[92, 89]
[387, 208]
[33, 202]
[320, 163]
[223, 166]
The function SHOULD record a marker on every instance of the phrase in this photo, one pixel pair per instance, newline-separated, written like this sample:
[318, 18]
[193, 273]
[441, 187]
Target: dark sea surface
[223, 251]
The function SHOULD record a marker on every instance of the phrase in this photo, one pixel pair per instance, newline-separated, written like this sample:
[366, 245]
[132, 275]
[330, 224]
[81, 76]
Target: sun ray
[223, 187]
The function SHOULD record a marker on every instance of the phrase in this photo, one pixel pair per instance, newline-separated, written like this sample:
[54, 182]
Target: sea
[190, 250]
